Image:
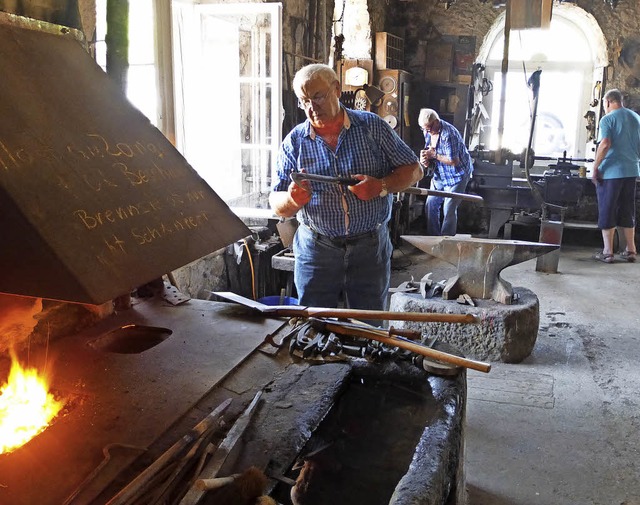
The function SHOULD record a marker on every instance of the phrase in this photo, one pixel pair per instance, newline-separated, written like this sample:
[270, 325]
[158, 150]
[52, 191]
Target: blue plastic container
[275, 300]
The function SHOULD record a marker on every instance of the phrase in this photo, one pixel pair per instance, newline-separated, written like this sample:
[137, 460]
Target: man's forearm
[601, 152]
[403, 176]
[282, 204]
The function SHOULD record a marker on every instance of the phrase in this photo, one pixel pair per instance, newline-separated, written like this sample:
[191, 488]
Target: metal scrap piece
[172, 295]
[465, 299]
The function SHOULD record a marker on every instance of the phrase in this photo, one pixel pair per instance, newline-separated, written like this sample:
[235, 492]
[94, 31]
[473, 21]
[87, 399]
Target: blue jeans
[449, 222]
[358, 268]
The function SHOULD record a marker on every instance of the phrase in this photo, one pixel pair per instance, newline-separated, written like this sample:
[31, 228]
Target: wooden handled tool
[141, 483]
[226, 450]
[300, 311]
[377, 315]
[395, 341]
[209, 484]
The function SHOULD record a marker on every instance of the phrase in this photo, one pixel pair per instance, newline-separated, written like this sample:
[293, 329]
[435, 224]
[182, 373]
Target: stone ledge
[505, 333]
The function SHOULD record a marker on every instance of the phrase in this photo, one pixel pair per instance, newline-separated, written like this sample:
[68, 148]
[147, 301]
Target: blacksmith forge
[96, 204]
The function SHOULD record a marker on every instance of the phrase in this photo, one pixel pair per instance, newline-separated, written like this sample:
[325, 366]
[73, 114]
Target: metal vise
[479, 263]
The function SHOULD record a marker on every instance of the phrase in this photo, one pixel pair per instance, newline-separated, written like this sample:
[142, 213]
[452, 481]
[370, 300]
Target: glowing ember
[26, 407]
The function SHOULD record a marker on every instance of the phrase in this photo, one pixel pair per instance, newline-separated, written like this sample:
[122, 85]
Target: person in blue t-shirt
[615, 169]
[342, 247]
[451, 168]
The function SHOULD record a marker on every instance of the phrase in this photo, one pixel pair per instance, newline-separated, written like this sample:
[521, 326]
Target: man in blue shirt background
[342, 247]
[451, 170]
[615, 169]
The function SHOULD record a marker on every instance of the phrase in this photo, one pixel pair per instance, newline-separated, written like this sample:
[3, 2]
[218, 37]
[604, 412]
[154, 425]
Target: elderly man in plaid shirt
[450, 167]
[342, 247]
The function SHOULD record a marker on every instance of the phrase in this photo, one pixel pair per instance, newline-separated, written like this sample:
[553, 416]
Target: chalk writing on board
[97, 218]
[140, 236]
[148, 234]
[123, 169]
[114, 244]
[35, 153]
[96, 181]
[92, 220]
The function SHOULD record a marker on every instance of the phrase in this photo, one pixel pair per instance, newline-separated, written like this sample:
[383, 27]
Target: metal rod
[211, 469]
[443, 194]
[179, 448]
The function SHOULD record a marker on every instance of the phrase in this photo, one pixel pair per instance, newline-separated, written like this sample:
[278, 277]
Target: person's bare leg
[629, 236]
[607, 239]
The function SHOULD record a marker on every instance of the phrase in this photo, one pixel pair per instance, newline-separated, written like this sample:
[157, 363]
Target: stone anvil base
[505, 333]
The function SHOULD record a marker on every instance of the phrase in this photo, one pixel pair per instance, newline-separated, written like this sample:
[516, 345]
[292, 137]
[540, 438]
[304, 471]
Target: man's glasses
[305, 103]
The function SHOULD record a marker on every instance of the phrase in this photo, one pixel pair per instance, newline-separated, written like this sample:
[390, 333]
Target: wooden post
[117, 40]
[503, 89]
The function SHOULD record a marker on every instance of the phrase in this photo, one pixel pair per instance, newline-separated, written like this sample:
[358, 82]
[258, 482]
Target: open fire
[26, 407]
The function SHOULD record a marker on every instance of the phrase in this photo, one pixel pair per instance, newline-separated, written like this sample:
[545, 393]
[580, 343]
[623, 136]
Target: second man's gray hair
[427, 116]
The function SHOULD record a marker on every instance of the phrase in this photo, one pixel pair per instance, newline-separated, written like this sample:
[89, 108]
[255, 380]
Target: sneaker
[605, 258]
[629, 256]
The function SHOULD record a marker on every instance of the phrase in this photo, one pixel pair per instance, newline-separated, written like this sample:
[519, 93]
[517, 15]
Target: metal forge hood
[94, 200]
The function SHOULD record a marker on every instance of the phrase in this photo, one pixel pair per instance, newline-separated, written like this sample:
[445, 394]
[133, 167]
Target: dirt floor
[561, 427]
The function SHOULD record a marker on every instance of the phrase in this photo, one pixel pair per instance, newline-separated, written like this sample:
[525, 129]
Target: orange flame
[26, 407]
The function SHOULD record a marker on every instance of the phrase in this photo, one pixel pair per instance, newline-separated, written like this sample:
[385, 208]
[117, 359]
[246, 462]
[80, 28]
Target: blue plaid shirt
[450, 145]
[366, 145]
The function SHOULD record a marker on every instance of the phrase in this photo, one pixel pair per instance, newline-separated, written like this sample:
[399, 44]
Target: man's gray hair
[427, 116]
[613, 95]
[313, 71]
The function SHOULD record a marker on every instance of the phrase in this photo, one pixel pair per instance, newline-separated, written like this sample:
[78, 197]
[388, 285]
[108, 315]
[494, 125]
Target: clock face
[356, 76]
[389, 106]
[392, 120]
[388, 84]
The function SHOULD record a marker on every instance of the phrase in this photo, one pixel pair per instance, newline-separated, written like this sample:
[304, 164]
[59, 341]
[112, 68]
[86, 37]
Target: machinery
[548, 194]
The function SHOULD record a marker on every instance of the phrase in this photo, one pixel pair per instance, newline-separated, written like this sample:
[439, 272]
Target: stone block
[504, 333]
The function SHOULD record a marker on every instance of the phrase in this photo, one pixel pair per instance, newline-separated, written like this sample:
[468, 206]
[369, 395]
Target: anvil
[479, 262]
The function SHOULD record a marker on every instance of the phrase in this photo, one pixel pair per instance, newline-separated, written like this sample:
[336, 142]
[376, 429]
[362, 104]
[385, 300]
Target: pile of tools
[327, 332]
[189, 469]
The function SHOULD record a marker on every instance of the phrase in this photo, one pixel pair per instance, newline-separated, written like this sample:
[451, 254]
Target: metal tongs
[298, 177]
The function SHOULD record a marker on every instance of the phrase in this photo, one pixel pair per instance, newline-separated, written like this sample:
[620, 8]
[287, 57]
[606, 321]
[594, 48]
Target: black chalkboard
[94, 200]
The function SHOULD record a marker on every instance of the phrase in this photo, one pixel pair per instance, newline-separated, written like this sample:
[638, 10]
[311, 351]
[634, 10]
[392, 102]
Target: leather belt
[343, 241]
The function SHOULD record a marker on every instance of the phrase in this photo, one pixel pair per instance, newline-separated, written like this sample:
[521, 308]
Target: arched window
[571, 54]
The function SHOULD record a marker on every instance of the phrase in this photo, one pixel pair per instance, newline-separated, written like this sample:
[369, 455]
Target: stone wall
[425, 21]
[61, 12]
